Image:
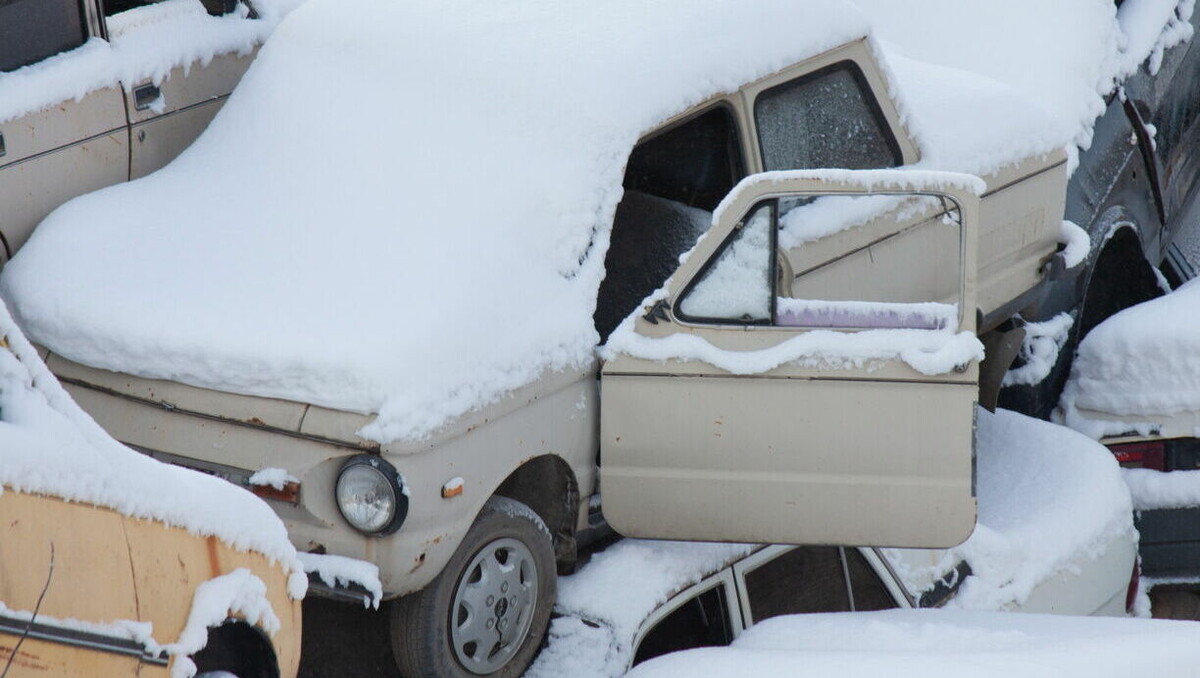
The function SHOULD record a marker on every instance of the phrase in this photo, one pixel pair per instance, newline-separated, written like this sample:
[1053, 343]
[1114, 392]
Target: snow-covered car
[113, 564]
[406, 326]
[925, 643]
[1055, 536]
[1134, 387]
[97, 92]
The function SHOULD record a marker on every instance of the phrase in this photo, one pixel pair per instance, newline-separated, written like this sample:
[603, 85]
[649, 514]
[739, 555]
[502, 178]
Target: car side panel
[37, 658]
[647, 493]
[66, 150]
[92, 576]
[190, 98]
[169, 563]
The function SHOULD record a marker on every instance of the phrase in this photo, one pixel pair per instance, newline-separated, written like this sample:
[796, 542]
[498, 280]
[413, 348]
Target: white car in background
[1055, 536]
[928, 643]
[1135, 386]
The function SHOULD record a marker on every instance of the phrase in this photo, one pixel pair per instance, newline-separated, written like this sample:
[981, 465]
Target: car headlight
[371, 495]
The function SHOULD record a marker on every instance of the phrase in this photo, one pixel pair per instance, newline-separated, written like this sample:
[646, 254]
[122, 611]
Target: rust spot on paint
[214, 556]
[256, 421]
[23, 659]
[417, 563]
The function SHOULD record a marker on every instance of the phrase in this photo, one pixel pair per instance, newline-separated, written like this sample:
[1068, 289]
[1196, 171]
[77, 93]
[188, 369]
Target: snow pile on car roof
[924, 643]
[144, 43]
[50, 446]
[1141, 362]
[1040, 69]
[402, 209]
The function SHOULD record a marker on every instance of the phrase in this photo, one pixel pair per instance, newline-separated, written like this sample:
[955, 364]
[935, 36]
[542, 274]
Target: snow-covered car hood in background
[404, 209]
[1137, 368]
[924, 643]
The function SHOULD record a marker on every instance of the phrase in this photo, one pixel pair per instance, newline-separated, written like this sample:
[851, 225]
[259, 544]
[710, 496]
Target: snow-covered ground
[945, 643]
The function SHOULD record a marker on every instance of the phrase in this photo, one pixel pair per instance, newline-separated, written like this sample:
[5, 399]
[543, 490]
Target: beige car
[497, 500]
[57, 142]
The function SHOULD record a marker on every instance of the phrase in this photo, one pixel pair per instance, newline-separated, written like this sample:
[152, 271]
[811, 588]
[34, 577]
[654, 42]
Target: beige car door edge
[805, 453]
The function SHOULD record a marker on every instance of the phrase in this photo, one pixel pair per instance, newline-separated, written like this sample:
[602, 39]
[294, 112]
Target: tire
[486, 613]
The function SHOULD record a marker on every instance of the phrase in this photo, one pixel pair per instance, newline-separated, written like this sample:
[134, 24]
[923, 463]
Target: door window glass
[702, 621]
[851, 261]
[736, 286]
[673, 181]
[805, 579]
[824, 119]
[32, 30]
[870, 593]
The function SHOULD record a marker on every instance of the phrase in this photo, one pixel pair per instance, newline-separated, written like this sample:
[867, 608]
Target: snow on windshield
[402, 209]
[925, 643]
[50, 446]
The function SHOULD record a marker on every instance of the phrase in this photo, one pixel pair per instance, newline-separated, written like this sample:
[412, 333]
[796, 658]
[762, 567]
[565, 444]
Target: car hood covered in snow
[402, 209]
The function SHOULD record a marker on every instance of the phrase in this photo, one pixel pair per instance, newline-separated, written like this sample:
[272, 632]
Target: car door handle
[145, 95]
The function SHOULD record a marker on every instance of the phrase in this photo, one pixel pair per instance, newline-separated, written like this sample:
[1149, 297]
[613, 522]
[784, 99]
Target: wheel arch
[239, 648]
[547, 485]
[1118, 276]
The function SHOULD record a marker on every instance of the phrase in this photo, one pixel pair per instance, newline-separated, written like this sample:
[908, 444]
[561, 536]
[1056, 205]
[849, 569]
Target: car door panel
[808, 452]
[64, 150]
[186, 101]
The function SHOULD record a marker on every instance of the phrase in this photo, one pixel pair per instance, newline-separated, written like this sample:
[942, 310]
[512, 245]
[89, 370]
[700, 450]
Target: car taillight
[1151, 454]
[1134, 582]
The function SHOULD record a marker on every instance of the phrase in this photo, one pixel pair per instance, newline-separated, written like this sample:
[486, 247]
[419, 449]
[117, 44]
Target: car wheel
[486, 613]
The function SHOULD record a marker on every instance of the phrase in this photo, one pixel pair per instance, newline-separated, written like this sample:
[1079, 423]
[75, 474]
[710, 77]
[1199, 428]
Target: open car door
[809, 374]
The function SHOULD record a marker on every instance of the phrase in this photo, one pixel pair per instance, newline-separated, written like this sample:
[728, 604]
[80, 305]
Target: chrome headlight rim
[391, 479]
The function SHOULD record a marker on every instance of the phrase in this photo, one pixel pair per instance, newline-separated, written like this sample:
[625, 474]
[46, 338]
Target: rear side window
[827, 118]
[702, 621]
[32, 30]
[805, 579]
[870, 593]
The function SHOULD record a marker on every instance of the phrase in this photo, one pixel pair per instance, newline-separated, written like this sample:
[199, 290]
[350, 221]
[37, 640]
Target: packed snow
[1158, 490]
[50, 446]
[1040, 349]
[944, 643]
[1077, 244]
[145, 43]
[1049, 499]
[1143, 362]
[277, 478]
[339, 571]
[238, 593]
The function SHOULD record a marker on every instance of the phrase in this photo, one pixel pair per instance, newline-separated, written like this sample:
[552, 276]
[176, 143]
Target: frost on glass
[738, 285]
[823, 121]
